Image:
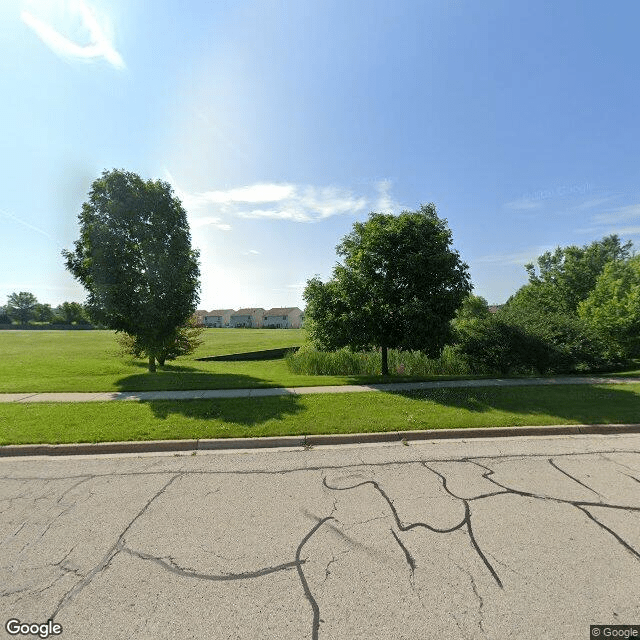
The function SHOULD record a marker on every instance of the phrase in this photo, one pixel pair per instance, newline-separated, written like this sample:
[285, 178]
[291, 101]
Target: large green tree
[135, 259]
[399, 286]
[21, 306]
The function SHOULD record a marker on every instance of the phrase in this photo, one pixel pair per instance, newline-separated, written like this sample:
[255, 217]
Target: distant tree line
[23, 308]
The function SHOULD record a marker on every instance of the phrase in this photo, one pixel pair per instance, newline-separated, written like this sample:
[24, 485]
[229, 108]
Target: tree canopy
[561, 279]
[21, 306]
[399, 286]
[135, 259]
[613, 308]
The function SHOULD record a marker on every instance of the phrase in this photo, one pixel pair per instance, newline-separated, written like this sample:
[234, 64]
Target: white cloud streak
[385, 203]
[297, 203]
[209, 221]
[100, 46]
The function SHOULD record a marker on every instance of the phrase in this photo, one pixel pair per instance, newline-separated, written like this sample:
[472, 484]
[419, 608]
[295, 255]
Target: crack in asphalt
[315, 628]
[555, 466]
[110, 555]
[190, 573]
[409, 558]
[478, 596]
[466, 521]
[582, 505]
[625, 544]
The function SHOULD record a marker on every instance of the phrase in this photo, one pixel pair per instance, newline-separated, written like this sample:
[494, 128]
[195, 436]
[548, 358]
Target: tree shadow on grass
[223, 413]
[586, 404]
[180, 378]
[230, 416]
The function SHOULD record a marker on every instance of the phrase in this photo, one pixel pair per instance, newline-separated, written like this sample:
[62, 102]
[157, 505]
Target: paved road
[499, 538]
[283, 391]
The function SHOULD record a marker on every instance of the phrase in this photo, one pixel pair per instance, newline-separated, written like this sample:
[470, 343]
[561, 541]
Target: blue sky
[279, 124]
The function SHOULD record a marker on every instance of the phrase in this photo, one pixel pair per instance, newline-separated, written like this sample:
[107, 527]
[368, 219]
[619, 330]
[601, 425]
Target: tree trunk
[385, 362]
[161, 361]
[152, 363]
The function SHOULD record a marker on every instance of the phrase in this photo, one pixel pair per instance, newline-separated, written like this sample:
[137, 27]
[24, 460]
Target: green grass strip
[313, 414]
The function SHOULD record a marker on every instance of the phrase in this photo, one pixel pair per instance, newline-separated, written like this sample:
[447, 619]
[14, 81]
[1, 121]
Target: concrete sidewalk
[207, 394]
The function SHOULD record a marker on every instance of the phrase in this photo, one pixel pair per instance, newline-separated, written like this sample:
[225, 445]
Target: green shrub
[553, 343]
[495, 346]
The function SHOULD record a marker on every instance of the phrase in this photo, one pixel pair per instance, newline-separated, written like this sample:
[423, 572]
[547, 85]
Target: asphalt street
[529, 537]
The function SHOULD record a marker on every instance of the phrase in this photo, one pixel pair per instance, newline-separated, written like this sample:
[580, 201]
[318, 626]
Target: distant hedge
[47, 327]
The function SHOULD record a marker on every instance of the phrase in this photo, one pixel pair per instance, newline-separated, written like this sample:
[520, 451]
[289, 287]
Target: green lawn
[339, 413]
[38, 361]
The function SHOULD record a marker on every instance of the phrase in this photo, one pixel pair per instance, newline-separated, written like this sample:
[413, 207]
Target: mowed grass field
[339, 413]
[38, 361]
[86, 361]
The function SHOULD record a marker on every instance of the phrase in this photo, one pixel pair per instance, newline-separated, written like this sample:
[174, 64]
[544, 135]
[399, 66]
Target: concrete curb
[153, 446]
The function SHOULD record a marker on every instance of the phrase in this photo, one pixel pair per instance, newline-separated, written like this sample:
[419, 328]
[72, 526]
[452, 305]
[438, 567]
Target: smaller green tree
[567, 276]
[21, 306]
[187, 339]
[73, 312]
[492, 346]
[474, 309]
[613, 308]
[42, 313]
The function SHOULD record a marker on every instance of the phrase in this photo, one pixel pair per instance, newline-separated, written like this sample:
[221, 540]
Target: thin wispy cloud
[520, 257]
[297, 203]
[595, 202]
[628, 231]
[10, 216]
[386, 203]
[209, 221]
[622, 214]
[615, 221]
[100, 44]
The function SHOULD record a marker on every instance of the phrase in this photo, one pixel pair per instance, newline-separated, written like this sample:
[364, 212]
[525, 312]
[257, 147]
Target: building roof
[247, 312]
[281, 311]
[219, 312]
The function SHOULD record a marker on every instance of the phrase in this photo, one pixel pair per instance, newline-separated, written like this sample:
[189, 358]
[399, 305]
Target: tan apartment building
[218, 318]
[251, 318]
[283, 318]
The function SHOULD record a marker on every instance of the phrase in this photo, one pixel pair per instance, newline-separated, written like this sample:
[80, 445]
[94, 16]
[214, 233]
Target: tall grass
[309, 361]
